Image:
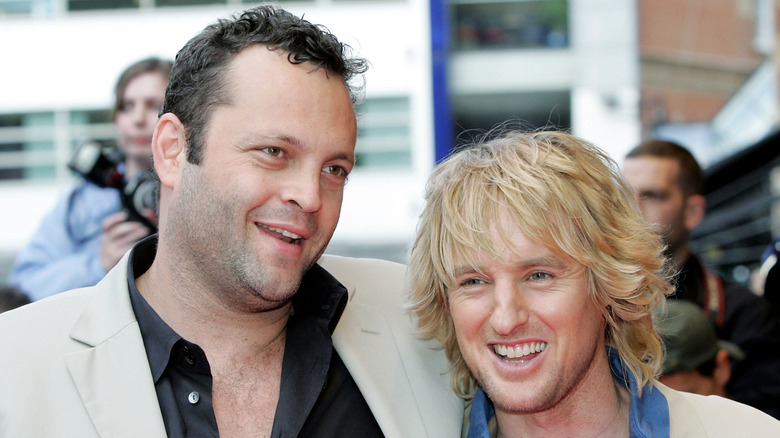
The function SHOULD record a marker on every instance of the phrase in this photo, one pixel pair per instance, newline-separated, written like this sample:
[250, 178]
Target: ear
[694, 211]
[169, 149]
[722, 372]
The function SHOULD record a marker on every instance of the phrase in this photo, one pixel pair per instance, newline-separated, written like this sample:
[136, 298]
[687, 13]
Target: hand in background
[119, 236]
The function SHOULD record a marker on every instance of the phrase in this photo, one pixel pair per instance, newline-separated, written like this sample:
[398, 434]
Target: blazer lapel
[403, 379]
[365, 343]
[112, 375]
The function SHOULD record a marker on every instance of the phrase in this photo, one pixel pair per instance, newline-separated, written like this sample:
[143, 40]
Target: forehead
[256, 68]
[507, 242]
[152, 82]
[645, 171]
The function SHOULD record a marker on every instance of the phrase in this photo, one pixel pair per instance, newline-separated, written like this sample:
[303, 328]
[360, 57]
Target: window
[510, 24]
[37, 146]
[384, 133]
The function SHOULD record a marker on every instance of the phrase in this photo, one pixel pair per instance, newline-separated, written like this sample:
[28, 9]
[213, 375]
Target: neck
[679, 256]
[194, 310]
[598, 407]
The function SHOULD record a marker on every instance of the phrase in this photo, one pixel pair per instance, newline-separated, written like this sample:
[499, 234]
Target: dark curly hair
[197, 81]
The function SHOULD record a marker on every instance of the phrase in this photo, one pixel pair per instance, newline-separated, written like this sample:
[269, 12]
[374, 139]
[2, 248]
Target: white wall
[605, 94]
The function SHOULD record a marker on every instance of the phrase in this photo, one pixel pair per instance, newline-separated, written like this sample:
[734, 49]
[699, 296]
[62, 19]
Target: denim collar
[648, 414]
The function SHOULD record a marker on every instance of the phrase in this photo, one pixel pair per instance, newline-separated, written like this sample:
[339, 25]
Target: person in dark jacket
[668, 182]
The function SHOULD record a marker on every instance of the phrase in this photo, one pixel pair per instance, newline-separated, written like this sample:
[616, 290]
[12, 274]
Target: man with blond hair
[533, 266]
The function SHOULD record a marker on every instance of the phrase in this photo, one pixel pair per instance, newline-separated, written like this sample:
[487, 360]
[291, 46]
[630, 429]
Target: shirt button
[194, 397]
[189, 359]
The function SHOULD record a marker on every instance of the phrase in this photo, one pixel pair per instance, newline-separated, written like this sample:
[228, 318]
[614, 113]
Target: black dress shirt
[318, 397]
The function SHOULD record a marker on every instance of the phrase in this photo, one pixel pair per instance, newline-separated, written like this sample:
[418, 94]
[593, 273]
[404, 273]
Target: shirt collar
[320, 296]
[648, 414]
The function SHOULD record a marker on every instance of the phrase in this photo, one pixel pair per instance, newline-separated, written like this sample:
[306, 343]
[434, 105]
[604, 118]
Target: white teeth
[519, 351]
[284, 233]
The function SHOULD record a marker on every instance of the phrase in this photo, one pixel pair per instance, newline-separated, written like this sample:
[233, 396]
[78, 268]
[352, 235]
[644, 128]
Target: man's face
[137, 115]
[264, 202]
[526, 326]
[659, 195]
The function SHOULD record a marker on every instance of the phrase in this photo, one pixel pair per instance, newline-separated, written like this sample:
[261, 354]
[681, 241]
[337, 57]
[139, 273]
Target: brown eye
[335, 170]
[273, 151]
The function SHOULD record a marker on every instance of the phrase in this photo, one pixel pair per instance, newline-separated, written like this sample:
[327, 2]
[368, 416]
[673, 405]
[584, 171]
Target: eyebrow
[547, 260]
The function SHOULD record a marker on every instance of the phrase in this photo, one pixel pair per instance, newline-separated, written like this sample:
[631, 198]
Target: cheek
[151, 117]
[578, 317]
[121, 122]
[331, 208]
[468, 318]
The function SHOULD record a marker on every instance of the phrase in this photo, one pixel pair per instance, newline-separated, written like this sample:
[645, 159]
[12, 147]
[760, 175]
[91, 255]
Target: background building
[442, 72]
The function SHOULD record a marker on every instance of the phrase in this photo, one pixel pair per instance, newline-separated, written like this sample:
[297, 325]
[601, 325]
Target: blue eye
[472, 282]
[539, 276]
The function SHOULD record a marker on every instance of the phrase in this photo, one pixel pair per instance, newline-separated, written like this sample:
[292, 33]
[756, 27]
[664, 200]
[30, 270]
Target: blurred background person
[695, 360]
[668, 183]
[88, 231]
[11, 298]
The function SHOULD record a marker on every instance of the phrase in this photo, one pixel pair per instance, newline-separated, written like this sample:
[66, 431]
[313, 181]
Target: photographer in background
[88, 231]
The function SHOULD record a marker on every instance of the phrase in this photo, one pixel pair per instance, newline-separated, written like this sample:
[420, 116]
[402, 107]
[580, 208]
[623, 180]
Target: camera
[100, 165]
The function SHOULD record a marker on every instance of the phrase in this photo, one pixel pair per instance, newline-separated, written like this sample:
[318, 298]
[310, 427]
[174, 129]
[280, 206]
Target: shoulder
[367, 279]
[33, 336]
[697, 415]
[46, 315]
[85, 193]
[360, 269]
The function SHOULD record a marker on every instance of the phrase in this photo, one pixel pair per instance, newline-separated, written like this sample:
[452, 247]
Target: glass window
[15, 7]
[27, 146]
[511, 24]
[384, 133]
[188, 2]
[83, 5]
[37, 146]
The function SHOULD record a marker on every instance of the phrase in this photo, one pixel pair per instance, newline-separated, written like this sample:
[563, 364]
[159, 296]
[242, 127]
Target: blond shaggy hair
[564, 193]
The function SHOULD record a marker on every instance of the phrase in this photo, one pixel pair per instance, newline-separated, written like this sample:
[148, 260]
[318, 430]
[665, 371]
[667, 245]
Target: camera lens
[143, 197]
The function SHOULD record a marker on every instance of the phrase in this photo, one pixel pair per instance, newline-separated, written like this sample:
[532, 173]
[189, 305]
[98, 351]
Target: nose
[510, 309]
[304, 192]
[139, 115]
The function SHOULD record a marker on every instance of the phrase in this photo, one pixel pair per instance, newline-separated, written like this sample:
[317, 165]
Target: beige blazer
[74, 365]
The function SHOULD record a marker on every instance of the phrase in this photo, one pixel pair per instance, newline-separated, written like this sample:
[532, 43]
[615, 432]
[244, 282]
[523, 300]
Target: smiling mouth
[282, 235]
[519, 353]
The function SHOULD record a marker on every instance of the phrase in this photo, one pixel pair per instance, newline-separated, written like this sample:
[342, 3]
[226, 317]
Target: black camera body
[100, 164]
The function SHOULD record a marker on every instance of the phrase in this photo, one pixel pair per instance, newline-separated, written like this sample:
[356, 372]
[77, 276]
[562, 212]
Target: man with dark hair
[225, 324]
[667, 182]
[87, 232]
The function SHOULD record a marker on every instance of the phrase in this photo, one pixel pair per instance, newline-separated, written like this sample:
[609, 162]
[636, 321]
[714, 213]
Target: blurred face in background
[136, 117]
[660, 197]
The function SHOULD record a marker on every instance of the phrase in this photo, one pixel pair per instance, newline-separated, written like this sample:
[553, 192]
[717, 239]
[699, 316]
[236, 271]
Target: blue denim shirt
[648, 414]
[65, 251]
